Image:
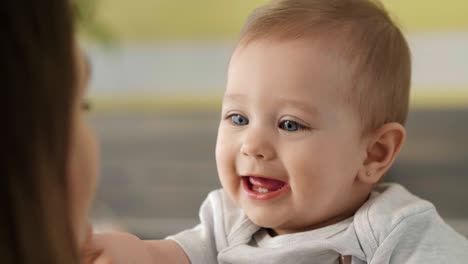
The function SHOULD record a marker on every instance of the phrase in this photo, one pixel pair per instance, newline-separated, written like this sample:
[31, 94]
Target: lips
[262, 188]
[265, 183]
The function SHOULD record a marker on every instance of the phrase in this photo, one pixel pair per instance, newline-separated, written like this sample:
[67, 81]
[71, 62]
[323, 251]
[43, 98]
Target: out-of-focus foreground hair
[372, 51]
[38, 87]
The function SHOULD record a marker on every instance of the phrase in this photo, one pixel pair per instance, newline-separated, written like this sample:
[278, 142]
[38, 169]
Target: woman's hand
[90, 253]
[125, 248]
[116, 248]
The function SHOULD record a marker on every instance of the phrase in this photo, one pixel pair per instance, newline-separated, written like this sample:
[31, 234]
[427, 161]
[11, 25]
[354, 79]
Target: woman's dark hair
[38, 86]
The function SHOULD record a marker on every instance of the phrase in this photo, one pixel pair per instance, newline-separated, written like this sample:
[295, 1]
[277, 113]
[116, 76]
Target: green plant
[89, 26]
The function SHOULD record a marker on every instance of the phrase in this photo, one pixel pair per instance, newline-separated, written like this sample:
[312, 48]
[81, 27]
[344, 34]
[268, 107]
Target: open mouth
[263, 188]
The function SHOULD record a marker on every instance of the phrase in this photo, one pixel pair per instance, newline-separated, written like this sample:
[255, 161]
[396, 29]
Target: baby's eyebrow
[234, 97]
[306, 107]
[286, 102]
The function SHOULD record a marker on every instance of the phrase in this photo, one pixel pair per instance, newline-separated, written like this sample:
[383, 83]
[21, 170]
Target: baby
[313, 117]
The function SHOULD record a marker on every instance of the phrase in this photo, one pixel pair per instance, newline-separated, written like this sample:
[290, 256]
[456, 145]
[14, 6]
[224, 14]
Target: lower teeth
[261, 190]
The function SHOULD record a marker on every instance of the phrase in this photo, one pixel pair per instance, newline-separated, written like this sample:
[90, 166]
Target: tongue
[269, 184]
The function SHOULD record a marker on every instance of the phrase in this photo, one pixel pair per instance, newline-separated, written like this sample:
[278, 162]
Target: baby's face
[288, 149]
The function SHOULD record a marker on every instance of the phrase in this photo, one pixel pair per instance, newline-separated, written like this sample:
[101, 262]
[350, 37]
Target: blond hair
[363, 34]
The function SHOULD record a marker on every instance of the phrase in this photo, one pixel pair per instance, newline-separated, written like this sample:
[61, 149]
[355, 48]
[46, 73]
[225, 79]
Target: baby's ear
[382, 149]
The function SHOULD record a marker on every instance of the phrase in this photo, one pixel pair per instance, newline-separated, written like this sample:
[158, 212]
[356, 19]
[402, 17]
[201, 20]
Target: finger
[103, 259]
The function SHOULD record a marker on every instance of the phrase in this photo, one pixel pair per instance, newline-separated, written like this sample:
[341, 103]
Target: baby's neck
[330, 221]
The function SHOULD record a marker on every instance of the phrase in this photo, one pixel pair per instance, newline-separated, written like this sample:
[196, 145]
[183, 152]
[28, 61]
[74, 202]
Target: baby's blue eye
[239, 120]
[289, 125]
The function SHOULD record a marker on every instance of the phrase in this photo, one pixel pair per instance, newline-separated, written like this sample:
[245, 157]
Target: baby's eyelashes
[238, 119]
[291, 126]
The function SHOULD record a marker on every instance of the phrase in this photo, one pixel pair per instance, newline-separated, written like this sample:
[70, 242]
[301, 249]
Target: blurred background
[159, 69]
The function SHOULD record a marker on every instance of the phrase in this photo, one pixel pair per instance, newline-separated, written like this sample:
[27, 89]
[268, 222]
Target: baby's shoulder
[391, 205]
[393, 221]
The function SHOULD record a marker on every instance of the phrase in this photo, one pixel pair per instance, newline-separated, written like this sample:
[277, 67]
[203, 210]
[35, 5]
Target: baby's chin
[266, 219]
[280, 223]
[275, 228]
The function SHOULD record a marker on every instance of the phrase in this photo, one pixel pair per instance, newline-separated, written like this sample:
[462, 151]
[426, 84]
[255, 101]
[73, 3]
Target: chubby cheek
[307, 177]
[323, 180]
[314, 173]
[226, 155]
[83, 172]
